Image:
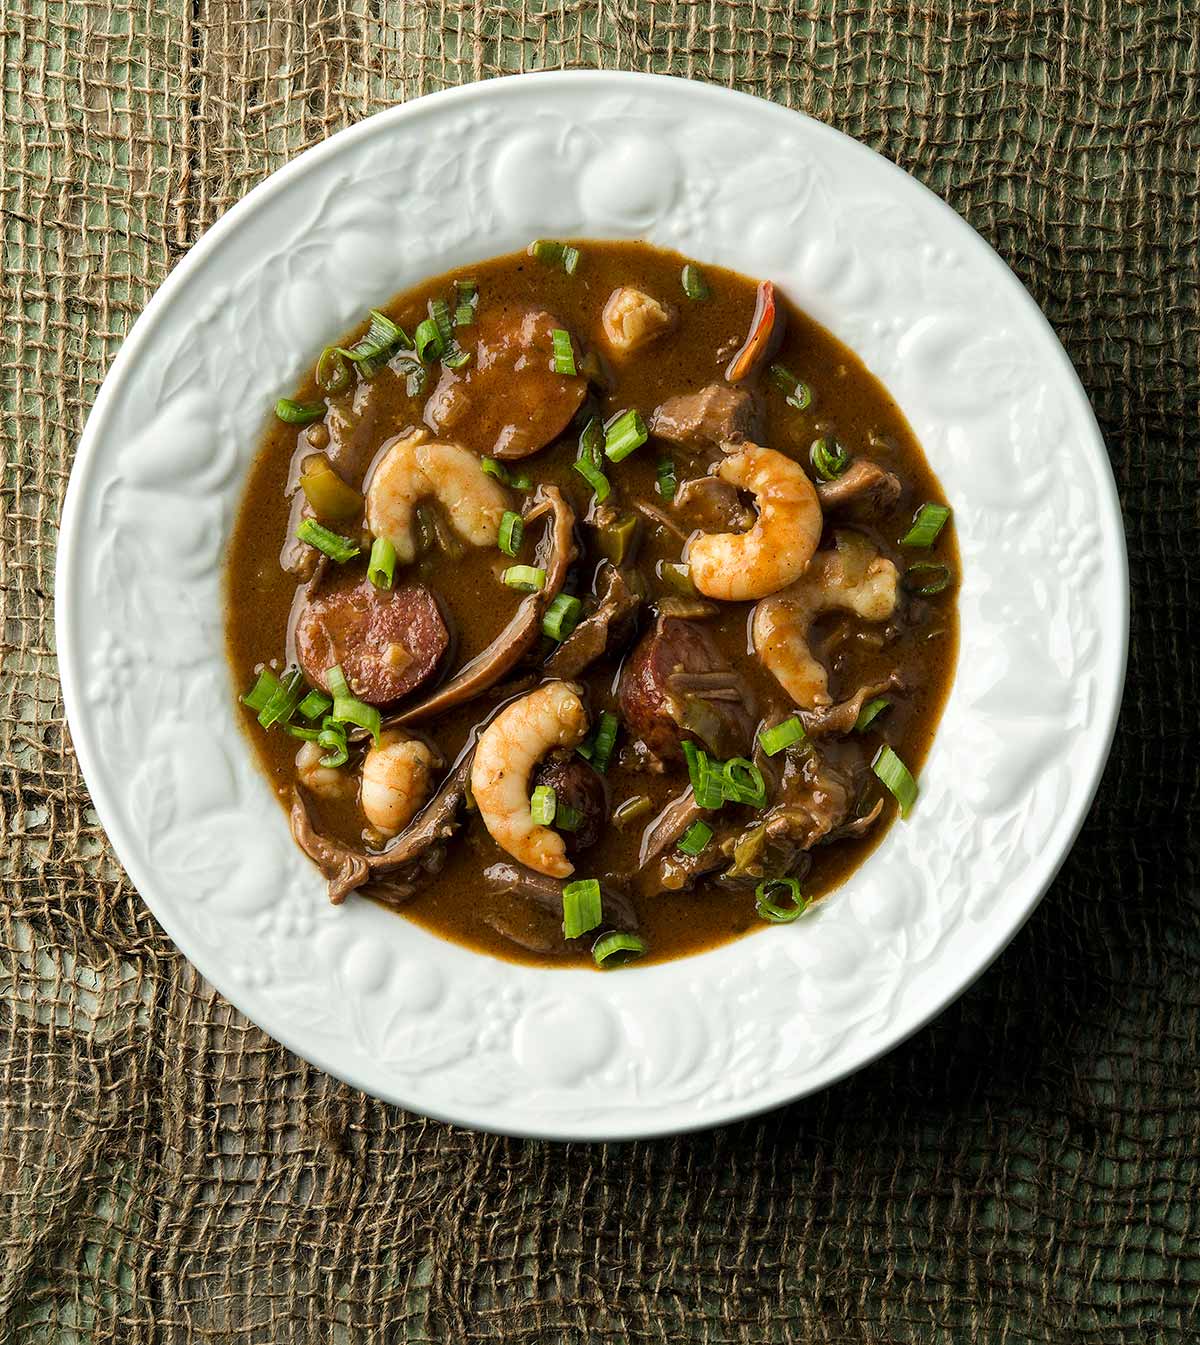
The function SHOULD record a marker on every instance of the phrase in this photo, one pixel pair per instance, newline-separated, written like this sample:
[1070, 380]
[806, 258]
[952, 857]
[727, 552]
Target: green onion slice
[694, 284]
[770, 910]
[416, 379]
[542, 805]
[591, 443]
[928, 521]
[583, 908]
[439, 311]
[829, 458]
[598, 748]
[467, 301]
[333, 544]
[333, 373]
[512, 532]
[314, 705]
[637, 805]
[349, 710]
[372, 352]
[927, 578]
[525, 578]
[381, 568]
[783, 735]
[623, 434]
[504, 476]
[706, 777]
[743, 782]
[298, 413]
[870, 713]
[695, 838]
[284, 699]
[564, 354]
[798, 393]
[666, 484]
[594, 477]
[560, 255]
[262, 690]
[895, 774]
[299, 731]
[333, 739]
[455, 357]
[428, 341]
[568, 818]
[617, 948]
[562, 616]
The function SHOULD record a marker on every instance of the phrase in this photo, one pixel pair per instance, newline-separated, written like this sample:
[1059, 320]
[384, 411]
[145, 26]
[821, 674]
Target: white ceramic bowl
[727, 179]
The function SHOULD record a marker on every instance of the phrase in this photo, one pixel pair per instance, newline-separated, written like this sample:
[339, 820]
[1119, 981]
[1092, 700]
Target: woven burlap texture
[1025, 1170]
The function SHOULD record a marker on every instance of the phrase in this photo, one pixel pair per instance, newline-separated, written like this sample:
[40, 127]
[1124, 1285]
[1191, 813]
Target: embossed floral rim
[728, 179]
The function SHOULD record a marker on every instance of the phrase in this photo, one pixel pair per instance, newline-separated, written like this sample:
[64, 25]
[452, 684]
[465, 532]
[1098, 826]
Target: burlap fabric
[1027, 1169]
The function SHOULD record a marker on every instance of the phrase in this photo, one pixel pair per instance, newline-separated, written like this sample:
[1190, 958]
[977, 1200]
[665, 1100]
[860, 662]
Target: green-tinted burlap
[1026, 1169]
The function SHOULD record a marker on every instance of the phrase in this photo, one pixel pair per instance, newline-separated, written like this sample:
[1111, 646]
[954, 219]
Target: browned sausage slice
[577, 785]
[388, 641]
[507, 402]
[678, 684]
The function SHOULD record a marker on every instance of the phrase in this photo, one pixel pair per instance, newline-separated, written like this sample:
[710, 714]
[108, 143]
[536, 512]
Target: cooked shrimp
[854, 577]
[632, 319]
[396, 778]
[324, 781]
[415, 468]
[736, 566]
[507, 751]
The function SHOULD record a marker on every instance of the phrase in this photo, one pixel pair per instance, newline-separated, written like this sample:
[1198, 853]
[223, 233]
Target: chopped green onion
[284, 699]
[333, 739]
[798, 394]
[550, 253]
[599, 747]
[771, 910]
[416, 379]
[694, 284]
[262, 690]
[928, 521]
[526, 578]
[594, 477]
[895, 774]
[926, 578]
[372, 352]
[381, 568]
[467, 292]
[829, 458]
[564, 354]
[743, 782]
[582, 907]
[512, 532]
[542, 805]
[783, 735]
[624, 434]
[615, 949]
[562, 616]
[870, 713]
[298, 413]
[591, 443]
[666, 483]
[455, 356]
[428, 341]
[347, 709]
[314, 705]
[333, 544]
[637, 805]
[707, 782]
[695, 838]
[439, 311]
[299, 731]
[333, 373]
[504, 476]
[568, 818]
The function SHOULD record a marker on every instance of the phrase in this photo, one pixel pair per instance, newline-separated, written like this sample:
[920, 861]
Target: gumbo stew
[591, 606]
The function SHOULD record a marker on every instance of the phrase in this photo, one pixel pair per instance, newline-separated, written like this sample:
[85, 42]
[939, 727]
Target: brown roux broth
[848, 402]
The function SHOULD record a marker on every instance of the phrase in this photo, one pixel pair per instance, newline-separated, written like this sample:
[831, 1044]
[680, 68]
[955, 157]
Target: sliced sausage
[577, 785]
[678, 684]
[716, 415]
[387, 641]
[507, 401]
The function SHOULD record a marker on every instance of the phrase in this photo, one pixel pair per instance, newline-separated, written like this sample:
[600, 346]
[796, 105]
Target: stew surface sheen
[695, 655]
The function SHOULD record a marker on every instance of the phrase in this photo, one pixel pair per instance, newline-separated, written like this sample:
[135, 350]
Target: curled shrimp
[416, 468]
[736, 566]
[853, 577]
[397, 775]
[326, 782]
[507, 751]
